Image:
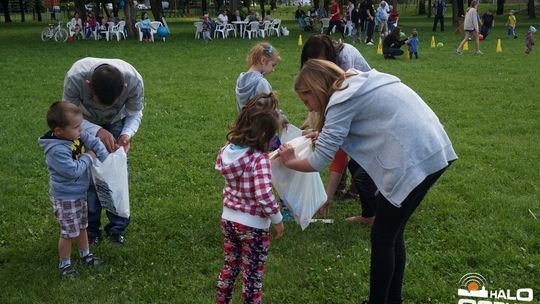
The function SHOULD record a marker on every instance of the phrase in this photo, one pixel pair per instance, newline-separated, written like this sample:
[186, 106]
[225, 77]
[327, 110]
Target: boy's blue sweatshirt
[68, 165]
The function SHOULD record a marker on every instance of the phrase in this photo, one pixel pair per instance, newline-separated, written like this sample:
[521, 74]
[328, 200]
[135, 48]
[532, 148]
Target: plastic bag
[284, 31]
[111, 181]
[303, 192]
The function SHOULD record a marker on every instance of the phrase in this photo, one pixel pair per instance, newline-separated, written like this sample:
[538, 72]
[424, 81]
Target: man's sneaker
[369, 43]
[91, 260]
[479, 52]
[68, 272]
[117, 239]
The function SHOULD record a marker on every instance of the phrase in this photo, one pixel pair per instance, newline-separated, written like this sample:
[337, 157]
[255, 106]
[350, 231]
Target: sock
[84, 252]
[64, 262]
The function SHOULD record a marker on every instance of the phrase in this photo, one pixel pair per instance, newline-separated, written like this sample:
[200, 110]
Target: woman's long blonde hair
[320, 78]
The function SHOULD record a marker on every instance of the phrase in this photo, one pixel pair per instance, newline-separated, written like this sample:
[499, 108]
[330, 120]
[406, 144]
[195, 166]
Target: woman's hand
[286, 153]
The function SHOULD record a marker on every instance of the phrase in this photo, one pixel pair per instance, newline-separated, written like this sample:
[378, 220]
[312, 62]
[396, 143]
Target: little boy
[68, 154]
[413, 45]
[530, 39]
[511, 23]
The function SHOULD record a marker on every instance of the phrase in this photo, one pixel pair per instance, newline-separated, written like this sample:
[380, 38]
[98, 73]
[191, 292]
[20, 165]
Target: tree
[421, 7]
[530, 9]
[80, 8]
[429, 9]
[21, 5]
[500, 7]
[455, 13]
[261, 3]
[157, 9]
[129, 14]
[5, 7]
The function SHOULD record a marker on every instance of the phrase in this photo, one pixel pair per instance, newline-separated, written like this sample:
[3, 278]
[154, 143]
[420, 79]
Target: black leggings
[388, 244]
[339, 28]
[366, 188]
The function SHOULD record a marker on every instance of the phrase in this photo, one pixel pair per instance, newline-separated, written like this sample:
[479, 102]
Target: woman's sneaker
[91, 260]
[458, 52]
[68, 272]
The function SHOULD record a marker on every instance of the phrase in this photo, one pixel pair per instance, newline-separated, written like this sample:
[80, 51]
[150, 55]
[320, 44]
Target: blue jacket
[387, 129]
[68, 165]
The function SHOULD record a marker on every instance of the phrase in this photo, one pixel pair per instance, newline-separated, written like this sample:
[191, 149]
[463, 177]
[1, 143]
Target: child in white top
[249, 205]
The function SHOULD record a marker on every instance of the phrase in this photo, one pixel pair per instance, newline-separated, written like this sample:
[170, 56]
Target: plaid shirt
[248, 184]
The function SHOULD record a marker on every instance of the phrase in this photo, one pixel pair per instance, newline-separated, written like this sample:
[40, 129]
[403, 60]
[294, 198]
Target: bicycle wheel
[45, 34]
[61, 35]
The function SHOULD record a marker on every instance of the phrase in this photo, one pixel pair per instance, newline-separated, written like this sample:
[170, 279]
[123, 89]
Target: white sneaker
[479, 52]
[458, 52]
[369, 43]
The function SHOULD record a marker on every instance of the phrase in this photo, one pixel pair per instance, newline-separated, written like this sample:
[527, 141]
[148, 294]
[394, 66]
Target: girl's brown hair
[320, 78]
[257, 123]
[261, 51]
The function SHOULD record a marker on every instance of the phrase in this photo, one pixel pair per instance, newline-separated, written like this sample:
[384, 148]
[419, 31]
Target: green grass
[476, 219]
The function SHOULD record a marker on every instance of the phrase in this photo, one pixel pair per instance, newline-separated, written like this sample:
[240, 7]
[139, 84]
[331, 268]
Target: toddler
[261, 60]
[249, 205]
[413, 45]
[206, 28]
[511, 23]
[146, 30]
[530, 39]
[68, 154]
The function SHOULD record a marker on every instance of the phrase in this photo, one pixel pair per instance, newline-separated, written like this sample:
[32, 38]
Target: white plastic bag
[111, 181]
[303, 192]
[284, 31]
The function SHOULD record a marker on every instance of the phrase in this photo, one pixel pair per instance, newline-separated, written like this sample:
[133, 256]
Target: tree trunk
[421, 7]
[461, 9]
[500, 7]
[21, 6]
[79, 8]
[246, 5]
[261, 3]
[429, 9]
[157, 9]
[37, 4]
[530, 8]
[129, 14]
[455, 13]
[104, 5]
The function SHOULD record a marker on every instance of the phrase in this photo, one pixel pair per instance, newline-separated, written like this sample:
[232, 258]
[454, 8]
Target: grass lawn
[482, 216]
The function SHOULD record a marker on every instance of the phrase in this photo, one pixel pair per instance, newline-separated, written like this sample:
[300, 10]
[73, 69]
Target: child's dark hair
[107, 83]
[320, 47]
[59, 114]
[256, 124]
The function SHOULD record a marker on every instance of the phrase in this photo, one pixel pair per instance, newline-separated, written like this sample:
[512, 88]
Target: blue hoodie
[68, 165]
[387, 129]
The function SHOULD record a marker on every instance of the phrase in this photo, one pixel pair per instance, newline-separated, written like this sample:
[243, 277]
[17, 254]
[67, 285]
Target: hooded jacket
[69, 165]
[387, 129]
[247, 195]
[250, 84]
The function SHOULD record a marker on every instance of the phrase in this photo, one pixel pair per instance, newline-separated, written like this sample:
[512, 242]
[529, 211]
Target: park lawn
[482, 216]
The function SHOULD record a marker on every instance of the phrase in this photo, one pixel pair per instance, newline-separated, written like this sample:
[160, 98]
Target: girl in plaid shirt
[249, 205]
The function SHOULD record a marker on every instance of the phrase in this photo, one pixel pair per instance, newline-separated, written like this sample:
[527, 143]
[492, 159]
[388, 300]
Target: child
[76, 25]
[90, 25]
[249, 206]
[413, 45]
[261, 60]
[488, 22]
[206, 28]
[68, 163]
[511, 23]
[530, 39]
[145, 27]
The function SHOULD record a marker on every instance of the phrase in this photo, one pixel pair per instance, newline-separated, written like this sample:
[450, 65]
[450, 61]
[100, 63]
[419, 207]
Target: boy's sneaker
[479, 52]
[68, 272]
[91, 260]
[458, 52]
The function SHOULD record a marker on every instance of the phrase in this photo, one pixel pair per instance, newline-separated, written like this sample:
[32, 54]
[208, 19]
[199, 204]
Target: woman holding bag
[387, 129]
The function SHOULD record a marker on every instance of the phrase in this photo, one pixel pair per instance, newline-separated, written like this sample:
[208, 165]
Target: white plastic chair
[198, 29]
[154, 25]
[264, 31]
[118, 30]
[275, 27]
[325, 24]
[229, 27]
[220, 28]
[138, 26]
[252, 29]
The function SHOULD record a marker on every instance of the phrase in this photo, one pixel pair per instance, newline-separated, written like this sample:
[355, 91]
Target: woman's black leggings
[366, 188]
[388, 244]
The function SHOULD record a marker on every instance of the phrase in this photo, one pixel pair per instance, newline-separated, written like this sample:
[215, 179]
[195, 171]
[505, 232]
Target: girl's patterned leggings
[245, 249]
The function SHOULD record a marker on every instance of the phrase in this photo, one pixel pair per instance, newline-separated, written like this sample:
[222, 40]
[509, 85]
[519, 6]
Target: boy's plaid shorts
[72, 216]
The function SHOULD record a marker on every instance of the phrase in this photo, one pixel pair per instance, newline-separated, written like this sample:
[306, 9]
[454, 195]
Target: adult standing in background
[110, 94]
[439, 8]
[335, 19]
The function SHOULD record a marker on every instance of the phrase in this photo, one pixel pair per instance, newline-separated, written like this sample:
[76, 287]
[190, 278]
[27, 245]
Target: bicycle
[57, 32]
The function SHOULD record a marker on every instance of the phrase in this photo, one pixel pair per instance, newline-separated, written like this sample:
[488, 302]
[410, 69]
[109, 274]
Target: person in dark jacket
[392, 44]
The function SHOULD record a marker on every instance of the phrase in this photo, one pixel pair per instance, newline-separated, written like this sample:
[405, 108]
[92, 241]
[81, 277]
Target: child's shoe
[479, 52]
[91, 260]
[68, 272]
[458, 52]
